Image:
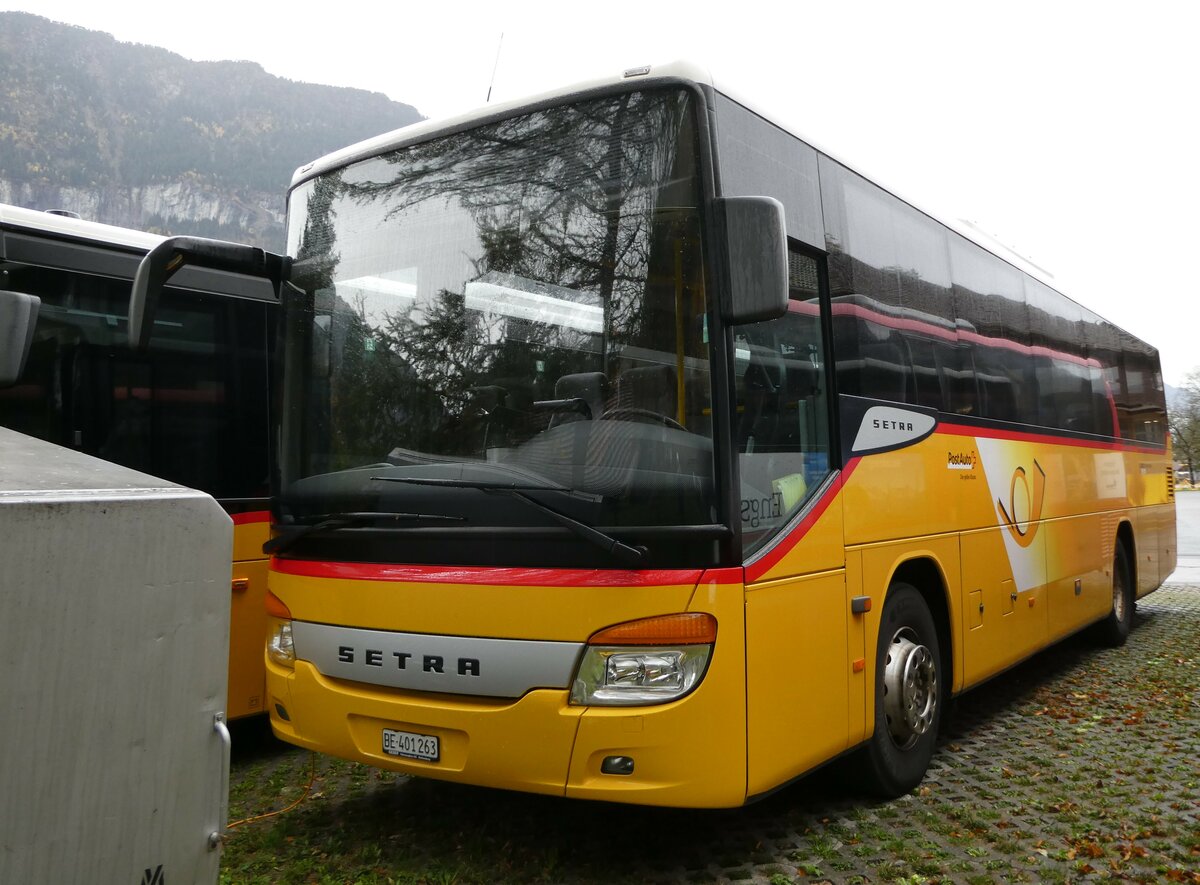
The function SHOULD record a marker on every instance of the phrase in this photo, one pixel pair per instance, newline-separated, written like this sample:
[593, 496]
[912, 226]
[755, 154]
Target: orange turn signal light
[695, 628]
[276, 608]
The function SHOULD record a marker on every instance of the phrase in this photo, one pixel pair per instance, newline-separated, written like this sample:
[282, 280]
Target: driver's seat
[647, 389]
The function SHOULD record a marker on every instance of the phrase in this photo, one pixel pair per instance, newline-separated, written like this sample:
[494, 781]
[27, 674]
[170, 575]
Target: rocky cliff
[140, 137]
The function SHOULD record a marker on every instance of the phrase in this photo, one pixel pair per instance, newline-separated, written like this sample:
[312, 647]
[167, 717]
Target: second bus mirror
[18, 316]
[755, 247]
[177, 252]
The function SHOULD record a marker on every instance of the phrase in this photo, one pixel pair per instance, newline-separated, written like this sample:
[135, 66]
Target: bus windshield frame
[505, 335]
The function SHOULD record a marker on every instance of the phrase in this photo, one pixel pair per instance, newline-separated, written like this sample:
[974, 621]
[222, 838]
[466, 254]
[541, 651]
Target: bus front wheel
[909, 690]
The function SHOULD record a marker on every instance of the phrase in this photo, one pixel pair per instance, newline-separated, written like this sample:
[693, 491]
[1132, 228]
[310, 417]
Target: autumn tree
[1184, 422]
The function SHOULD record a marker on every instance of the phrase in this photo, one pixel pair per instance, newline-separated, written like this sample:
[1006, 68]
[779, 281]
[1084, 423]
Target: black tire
[906, 723]
[1114, 629]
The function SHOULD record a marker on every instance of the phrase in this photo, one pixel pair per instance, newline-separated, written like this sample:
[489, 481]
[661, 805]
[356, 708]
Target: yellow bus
[632, 449]
[192, 409]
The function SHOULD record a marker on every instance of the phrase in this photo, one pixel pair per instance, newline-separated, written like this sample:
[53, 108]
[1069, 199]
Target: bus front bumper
[688, 753]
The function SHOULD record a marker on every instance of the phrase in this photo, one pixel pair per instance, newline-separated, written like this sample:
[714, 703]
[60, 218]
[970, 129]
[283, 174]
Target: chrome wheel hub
[909, 688]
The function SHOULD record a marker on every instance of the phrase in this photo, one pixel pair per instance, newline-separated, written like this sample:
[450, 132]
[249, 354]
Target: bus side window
[872, 357]
[957, 370]
[926, 379]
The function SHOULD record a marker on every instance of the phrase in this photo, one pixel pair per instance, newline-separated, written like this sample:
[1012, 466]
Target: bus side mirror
[18, 317]
[755, 245]
[161, 262]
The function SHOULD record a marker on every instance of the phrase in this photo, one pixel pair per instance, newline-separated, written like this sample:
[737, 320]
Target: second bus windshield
[519, 305]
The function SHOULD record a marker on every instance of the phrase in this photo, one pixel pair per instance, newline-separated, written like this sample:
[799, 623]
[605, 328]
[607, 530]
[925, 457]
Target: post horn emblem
[1023, 532]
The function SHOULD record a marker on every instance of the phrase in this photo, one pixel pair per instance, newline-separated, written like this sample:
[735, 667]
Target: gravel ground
[1081, 764]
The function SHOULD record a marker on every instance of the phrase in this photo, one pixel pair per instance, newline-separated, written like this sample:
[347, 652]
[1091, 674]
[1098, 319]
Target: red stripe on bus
[251, 517]
[1049, 438]
[446, 574]
[757, 569]
[731, 575]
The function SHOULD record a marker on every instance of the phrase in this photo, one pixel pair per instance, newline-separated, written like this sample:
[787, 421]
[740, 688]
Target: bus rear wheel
[909, 690]
[1114, 629]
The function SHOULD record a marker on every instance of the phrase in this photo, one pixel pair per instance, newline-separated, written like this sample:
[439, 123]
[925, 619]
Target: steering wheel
[629, 412]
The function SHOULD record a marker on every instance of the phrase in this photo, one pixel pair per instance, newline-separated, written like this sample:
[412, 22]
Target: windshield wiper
[618, 549]
[346, 520]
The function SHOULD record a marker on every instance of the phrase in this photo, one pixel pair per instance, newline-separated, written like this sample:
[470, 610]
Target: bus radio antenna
[492, 82]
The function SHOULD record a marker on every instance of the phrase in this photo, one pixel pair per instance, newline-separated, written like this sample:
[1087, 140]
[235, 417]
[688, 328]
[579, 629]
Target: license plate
[425, 747]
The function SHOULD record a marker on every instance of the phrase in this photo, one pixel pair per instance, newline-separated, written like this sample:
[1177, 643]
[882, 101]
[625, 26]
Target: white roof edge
[62, 225]
[681, 70]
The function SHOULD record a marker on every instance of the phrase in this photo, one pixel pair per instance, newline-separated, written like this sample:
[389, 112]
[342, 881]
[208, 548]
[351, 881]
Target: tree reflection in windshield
[459, 297]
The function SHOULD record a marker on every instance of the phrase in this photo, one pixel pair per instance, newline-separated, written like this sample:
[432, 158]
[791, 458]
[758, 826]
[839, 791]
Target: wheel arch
[1125, 538]
[888, 769]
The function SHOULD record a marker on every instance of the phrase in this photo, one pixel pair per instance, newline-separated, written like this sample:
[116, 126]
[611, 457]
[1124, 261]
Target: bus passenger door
[797, 674]
[797, 671]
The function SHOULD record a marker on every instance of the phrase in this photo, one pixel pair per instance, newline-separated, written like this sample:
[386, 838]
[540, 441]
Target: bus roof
[677, 71]
[76, 228]
[674, 72]
[30, 236]
[684, 71]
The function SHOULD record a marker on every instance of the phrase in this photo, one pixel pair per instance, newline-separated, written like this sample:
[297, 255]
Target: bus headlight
[280, 647]
[651, 661]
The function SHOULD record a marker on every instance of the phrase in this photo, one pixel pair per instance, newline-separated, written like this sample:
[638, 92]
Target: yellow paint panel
[247, 621]
[1079, 551]
[903, 494]
[689, 753]
[247, 641]
[856, 649]
[1155, 536]
[1011, 627]
[798, 674]
[1167, 540]
[540, 743]
[570, 613]
[248, 539]
[523, 744]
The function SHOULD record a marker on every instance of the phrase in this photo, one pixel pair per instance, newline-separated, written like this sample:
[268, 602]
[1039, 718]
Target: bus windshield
[494, 334]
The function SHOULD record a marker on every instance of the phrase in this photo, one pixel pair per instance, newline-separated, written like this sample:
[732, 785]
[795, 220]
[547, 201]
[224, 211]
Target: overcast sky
[1068, 131]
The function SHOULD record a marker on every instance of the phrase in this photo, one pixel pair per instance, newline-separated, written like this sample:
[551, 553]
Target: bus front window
[498, 332]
